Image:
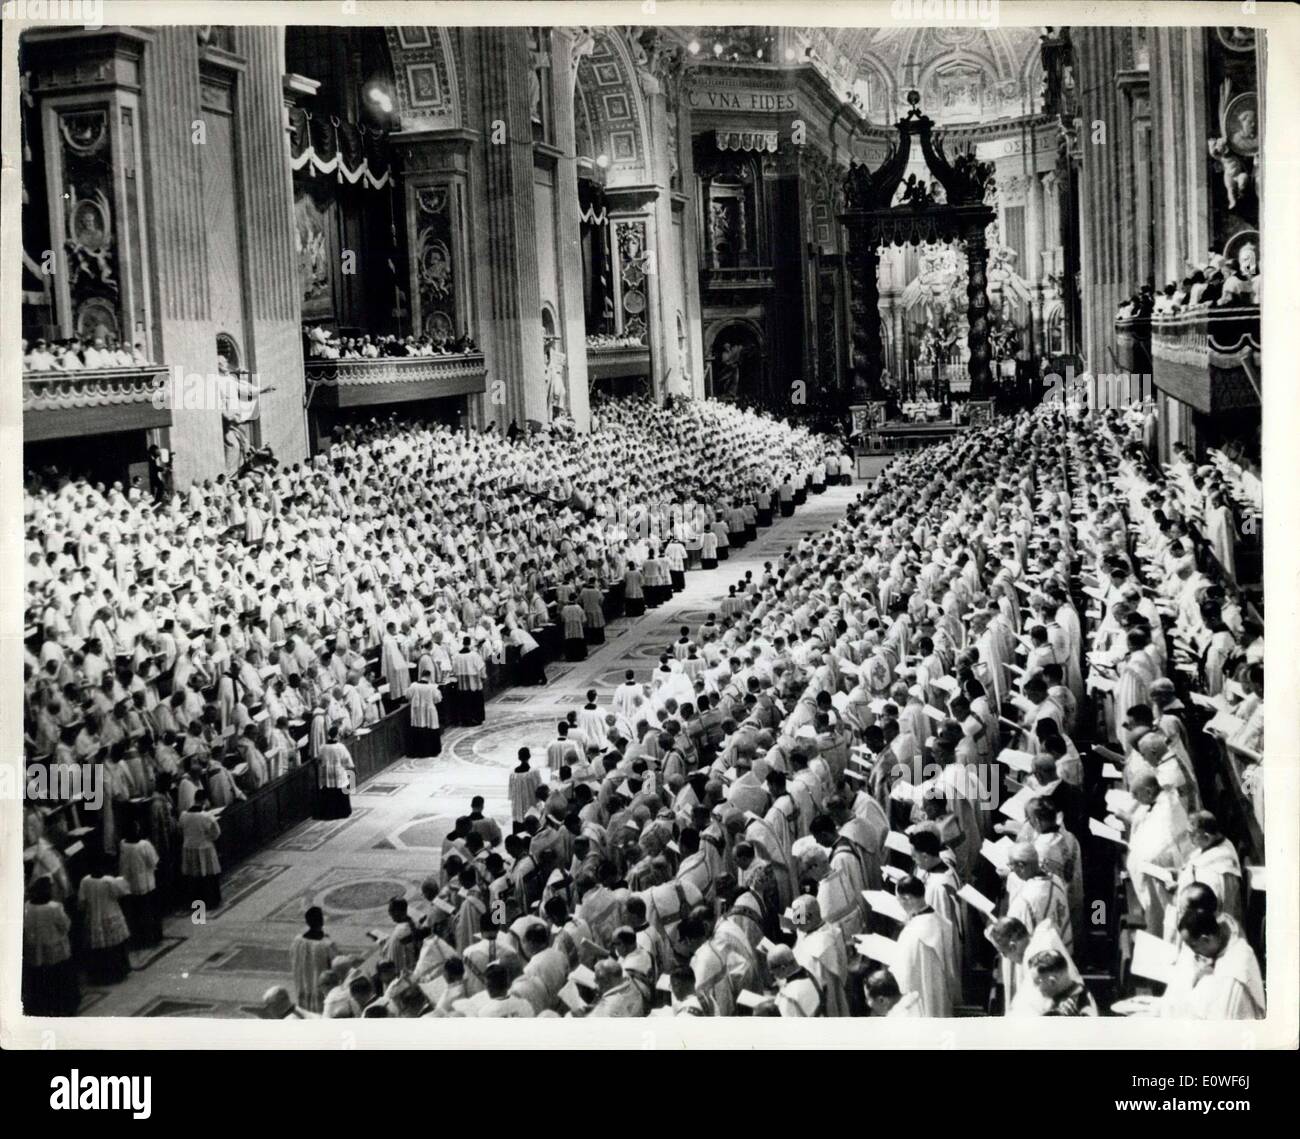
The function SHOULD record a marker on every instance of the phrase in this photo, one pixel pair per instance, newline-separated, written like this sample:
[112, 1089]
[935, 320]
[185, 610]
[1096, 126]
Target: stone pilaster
[186, 336]
[511, 327]
[568, 229]
[271, 280]
[1104, 277]
[690, 257]
[1032, 268]
[668, 262]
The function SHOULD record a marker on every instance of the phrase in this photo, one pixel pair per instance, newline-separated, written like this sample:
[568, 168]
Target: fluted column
[568, 229]
[1032, 269]
[666, 284]
[691, 238]
[512, 328]
[275, 347]
[186, 335]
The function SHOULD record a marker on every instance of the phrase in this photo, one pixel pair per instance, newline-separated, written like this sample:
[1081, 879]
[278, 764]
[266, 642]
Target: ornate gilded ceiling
[964, 74]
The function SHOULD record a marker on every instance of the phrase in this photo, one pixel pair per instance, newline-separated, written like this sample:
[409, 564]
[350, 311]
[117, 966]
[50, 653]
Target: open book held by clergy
[883, 902]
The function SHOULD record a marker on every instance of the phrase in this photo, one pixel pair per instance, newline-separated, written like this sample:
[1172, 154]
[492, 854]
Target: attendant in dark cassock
[106, 933]
[658, 584]
[426, 733]
[532, 661]
[335, 777]
[522, 786]
[634, 591]
[675, 555]
[709, 548]
[50, 985]
[471, 677]
[137, 864]
[593, 612]
[724, 538]
[786, 497]
[200, 866]
[572, 619]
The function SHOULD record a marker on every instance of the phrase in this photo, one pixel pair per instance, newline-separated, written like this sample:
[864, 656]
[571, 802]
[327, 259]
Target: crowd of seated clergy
[199, 646]
[868, 784]
[75, 354]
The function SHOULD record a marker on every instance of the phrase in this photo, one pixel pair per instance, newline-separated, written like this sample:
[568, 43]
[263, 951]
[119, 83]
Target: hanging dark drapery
[597, 262]
[353, 152]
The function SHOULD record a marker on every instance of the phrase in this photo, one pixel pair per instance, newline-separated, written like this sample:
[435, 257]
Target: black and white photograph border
[433, 383]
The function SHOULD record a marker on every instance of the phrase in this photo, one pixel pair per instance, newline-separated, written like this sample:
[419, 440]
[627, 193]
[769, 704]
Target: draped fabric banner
[593, 216]
[351, 152]
[318, 165]
[748, 140]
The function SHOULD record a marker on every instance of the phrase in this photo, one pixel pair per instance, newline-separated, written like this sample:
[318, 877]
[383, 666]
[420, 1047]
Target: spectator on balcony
[68, 355]
[39, 358]
[98, 354]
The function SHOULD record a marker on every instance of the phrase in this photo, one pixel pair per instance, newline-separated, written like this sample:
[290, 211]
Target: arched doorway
[735, 355]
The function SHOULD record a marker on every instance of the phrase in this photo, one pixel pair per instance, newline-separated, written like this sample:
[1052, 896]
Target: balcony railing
[617, 361]
[1208, 358]
[393, 379]
[95, 401]
[1133, 344]
[747, 277]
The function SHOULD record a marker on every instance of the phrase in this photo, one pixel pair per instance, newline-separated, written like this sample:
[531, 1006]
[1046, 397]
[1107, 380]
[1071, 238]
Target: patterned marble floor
[352, 867]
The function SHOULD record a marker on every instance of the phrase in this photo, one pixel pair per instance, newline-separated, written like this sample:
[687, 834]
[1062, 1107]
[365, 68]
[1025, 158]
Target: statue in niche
[731, 356]
[732, 352]
[722, 226]
[539, 59]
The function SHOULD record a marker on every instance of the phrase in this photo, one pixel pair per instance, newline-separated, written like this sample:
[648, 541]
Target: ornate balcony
[1133, 345]
[1208, 358]
[617, 362]
[392, 379]
[94, 401]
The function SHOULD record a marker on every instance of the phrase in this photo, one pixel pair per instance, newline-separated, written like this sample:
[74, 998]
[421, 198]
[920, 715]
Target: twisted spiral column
[977, 307]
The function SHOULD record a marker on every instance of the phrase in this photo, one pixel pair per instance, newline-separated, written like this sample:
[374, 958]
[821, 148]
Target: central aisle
[391, 842]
